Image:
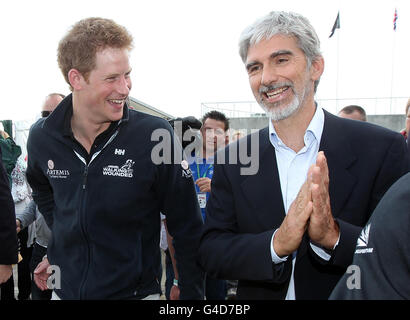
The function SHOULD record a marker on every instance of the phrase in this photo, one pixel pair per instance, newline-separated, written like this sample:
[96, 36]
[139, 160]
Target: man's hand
[41, 275]
[18, 225]
[5, 272]
[322, 229]
[204, 184]
[4, 134]
[174, 293]
[289, 235]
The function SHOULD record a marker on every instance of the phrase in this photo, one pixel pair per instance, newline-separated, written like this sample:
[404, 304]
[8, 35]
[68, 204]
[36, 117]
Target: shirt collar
[315, 128]
[197, 158]
[67, 131]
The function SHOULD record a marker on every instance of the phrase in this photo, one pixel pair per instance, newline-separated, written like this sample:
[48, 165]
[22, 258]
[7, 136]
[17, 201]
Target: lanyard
[206, 171]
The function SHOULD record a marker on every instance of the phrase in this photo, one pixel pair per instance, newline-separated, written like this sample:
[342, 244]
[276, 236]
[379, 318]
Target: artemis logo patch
[124, 171]
[56, 173]
[363, 240]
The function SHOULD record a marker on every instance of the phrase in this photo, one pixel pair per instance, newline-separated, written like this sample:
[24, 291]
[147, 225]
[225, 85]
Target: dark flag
[336, 25]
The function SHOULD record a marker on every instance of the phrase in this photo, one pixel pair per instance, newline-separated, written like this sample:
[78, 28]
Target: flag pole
[338, 57]
[392, 73]
[393, 58]
[336, 25]
[337, 72]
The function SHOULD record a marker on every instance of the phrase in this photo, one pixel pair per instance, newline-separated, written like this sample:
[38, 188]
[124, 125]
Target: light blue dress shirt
[293, 168]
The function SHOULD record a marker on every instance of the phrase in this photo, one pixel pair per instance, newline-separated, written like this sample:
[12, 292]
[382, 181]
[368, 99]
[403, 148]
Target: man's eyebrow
[272, 56]
[280, 53]
[112, 75]
[251, 64]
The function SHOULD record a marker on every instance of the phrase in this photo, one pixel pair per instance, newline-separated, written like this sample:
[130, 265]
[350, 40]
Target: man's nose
[269, 75]
[124, 85]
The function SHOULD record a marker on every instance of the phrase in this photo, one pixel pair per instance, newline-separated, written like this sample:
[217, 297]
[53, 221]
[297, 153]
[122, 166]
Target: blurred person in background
[353, 112]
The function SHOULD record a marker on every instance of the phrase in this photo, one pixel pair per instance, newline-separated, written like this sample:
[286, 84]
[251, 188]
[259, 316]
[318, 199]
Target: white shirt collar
[315, 128]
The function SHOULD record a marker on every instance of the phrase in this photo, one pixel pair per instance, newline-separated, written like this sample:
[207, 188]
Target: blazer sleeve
[226, 252]
[8, 235]
[394, 165]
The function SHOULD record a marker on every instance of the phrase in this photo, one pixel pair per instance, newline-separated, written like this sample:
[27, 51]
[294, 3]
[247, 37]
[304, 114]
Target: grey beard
[276, 113]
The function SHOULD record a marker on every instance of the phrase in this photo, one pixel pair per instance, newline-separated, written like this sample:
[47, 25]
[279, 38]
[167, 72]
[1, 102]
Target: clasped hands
[310, 211]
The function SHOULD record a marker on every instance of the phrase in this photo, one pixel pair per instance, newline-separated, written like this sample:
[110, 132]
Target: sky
[186, 51]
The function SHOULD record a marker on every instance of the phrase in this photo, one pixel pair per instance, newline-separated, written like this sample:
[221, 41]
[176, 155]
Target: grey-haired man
[289, 231]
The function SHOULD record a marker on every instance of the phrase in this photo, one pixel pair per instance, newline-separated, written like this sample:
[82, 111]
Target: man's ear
[76, 79]
[317, 68]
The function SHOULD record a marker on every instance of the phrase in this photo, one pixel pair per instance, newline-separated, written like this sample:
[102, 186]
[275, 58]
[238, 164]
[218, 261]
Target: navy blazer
[243, 211]
[8, 235]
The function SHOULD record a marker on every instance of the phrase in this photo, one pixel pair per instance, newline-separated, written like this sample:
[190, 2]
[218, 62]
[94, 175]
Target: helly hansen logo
[120, 152]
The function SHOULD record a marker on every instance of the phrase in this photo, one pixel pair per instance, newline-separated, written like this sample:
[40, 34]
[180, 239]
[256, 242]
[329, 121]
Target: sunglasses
[45, 114]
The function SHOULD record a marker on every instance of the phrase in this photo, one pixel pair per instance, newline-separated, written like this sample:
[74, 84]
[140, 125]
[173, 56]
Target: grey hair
[284, 23]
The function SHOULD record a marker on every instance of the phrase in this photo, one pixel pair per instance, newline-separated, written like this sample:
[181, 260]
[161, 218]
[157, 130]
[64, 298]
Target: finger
[321, 161]
[200, 183]
[319, 158]
[303, 197]
[321, 200]
[325, 170]
[302, 191]
[202, 187]
[205, 188]
[316, 175]
[38, 269]
[316, 197]
[203, 180]
[306, 213]
[310, 172]
[40, 283]
[321, 180]
[319, 196]
[41, 267]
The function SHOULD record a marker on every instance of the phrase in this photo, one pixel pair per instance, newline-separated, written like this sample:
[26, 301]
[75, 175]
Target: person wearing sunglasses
[51, 102]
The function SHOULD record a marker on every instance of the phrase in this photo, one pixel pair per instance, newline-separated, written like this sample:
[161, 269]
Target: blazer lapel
[262, 190]
[339, 157]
